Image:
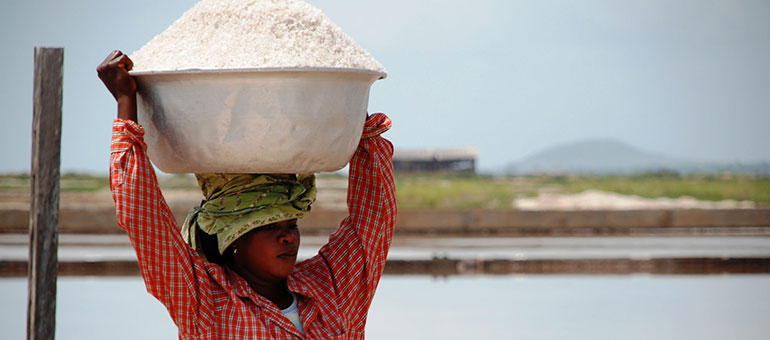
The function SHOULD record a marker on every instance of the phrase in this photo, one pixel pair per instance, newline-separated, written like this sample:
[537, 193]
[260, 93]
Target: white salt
[222, 34]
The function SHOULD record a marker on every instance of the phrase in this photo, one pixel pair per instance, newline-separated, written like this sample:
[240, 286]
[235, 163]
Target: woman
[254, 284]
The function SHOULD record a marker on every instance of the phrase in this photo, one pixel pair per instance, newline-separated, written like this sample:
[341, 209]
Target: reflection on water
[465, 307]
[441, 256]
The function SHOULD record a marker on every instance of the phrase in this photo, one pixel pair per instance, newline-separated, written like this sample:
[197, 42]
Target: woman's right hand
[113, 72]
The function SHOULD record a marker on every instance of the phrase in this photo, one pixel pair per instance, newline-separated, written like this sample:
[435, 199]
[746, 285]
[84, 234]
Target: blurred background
[580, 170]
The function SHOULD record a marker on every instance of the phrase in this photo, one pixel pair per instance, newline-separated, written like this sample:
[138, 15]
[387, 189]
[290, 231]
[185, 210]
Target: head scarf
[235, 204]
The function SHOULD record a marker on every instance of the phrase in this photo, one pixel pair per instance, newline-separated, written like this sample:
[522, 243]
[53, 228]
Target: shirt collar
[242, 288]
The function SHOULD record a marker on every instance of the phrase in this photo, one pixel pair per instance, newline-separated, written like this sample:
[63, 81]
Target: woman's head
[236, 205]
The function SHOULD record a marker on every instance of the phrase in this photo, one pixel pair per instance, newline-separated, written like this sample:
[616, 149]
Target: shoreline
[91, 254]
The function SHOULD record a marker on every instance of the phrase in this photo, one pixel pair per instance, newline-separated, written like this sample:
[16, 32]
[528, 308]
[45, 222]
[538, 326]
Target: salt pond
[458, 307]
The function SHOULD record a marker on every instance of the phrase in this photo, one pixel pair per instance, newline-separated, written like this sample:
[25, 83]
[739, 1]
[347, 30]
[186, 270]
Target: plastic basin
[269, 120]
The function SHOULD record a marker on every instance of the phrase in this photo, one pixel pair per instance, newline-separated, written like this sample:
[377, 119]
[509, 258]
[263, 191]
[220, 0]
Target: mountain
[608, 156]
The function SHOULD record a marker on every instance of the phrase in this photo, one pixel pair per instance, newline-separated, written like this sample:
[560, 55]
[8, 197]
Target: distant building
[435, 160]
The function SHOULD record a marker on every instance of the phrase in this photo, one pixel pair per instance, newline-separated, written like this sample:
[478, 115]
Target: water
[117, 247]
[459, 307]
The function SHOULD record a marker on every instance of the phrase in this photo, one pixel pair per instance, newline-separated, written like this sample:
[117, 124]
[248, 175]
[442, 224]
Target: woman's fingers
[118, 60]
[129, 64]
[112, 55]
[110, 58]
[125, 62]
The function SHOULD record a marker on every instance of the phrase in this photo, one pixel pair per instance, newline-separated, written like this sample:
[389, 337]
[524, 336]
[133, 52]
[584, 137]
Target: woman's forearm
[127, 107]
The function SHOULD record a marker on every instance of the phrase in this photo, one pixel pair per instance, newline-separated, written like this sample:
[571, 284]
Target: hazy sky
[684, 78]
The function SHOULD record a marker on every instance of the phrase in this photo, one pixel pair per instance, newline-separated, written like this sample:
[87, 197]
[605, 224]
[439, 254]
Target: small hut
[435, 160]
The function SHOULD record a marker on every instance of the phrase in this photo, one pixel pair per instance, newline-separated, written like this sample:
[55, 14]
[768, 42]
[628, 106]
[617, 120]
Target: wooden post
[44, 209]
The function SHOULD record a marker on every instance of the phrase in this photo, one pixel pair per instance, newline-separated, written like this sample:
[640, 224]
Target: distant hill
[608, 156]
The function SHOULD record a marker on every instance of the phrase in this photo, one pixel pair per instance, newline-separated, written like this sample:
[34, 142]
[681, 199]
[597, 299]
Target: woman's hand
[113, 72]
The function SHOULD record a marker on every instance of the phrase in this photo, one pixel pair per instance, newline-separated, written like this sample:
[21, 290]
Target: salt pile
[226, 34]
[601, 200]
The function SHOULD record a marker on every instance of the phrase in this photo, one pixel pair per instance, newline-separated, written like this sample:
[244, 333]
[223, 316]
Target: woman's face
[268, 253]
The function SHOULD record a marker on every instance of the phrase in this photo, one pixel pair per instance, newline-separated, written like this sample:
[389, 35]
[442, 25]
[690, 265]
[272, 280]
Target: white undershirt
[292, 313]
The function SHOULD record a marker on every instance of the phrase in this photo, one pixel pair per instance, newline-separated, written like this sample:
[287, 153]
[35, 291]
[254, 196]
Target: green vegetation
[445, 191]
[69, 182]
[460, 191]
[73, 182]
[464, 191]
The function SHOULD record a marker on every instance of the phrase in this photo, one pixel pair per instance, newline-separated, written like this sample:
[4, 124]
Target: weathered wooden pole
[44, 182]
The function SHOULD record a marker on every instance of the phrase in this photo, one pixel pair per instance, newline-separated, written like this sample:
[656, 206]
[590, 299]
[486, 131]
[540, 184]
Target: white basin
[266, 120]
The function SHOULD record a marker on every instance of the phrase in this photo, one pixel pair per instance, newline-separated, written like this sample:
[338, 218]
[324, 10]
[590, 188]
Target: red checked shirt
[207, 301]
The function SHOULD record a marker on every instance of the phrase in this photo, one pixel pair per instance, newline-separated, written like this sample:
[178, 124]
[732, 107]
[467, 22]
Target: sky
[688, 79]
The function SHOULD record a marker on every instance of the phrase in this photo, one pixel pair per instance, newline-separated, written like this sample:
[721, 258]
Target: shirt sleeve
[171, 271]
[357, 251]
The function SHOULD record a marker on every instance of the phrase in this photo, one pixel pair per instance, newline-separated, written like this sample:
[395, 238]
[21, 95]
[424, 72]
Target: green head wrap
[238, 203]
